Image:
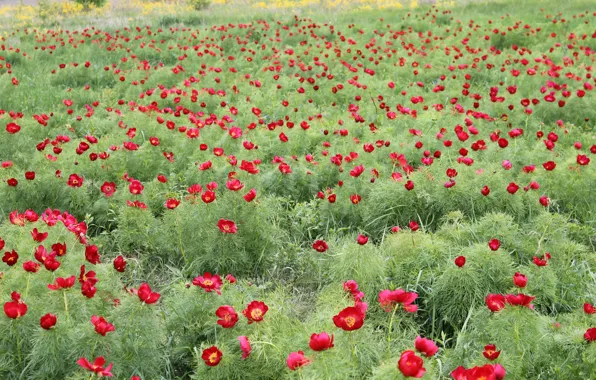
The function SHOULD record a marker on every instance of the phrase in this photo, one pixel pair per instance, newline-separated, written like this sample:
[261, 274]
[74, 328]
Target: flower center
[208, 282]
[350, 321]
[256, 314]
[213, 357]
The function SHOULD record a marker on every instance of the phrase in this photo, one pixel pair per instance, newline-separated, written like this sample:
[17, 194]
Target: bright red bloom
[494, 244]
[426, 346]
[320, 246]
[230, 278]
[589, 309]
[460, 261]
[208, 196]
[47, 321]
[31, 266]
[136, 187]
[227, 316]
[296, 360]
[208, 282]
[490, 352]
[520, 300]
[172, 203]
[74, 180]
[590, 334]
[388, 299]
[255, 311]
[512, 188]
[495, 302]
[321, 342]
[244, 346]
[549, 165]
[62, 283]
[102, 327]
[108, 188]
[38, 236]
[349, 319]
[252, 194]
[92, 254]
[212, 356]
[10, 258]
[542, 262]
[234, 185]
[414, 226]
[16, 308]
[411, 365]
[13, 128]
[362, 239]
[227, 226]
[583, 159]
[520, 280]
[59, 249]
[119, 263]
[146, 295]
[485, 372]
[97, 366]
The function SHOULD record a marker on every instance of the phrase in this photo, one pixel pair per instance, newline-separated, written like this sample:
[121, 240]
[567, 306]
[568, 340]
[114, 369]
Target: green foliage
[199, 5]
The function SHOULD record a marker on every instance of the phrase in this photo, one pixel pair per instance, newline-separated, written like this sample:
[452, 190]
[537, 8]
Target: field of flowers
[286, 193]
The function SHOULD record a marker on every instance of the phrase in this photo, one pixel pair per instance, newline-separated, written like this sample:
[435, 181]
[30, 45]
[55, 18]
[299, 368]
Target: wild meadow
[360, 189]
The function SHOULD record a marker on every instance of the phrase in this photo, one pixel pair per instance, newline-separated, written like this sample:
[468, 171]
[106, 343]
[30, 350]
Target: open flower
[296, 360]
[227, 226]
[208, 282]
[227, 316]
[255, 311]
[349, 319]
[146, 295]
[97, 366]
[212, 356]
[16, 308]
[490, 352]
[411, 365]
[102, 327]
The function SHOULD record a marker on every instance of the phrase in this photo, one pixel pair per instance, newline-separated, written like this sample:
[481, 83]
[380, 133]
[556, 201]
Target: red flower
[296, 360]
[12, 182]
[208, 282]
[2, 243]
[495, 302]
[589, 309]
[362, 239]
[411, 365]
[490, 352]
[227, 226]
[321, 342]
[426, 346]
[13, 128]
[320, 246]
[549, 165]
[388, 299]
[208, 196]
[136, 187]
[583, 159]
[15, 308]
[92, 254]
[541, 262]
[47, 321]
[10, 258]
[460, 261]
[250, 195]
[244, 346]
[59, 249]
[512, 188]
[494, 244]
[172, 203]
[102, 327]
[414, 226]
[349, 319]
[520, 300]
[212, 356]
[590, 334]
[108, 188]
[39, 236]
[227, 316]
[234, 185]
[255, 311]
[119, 263]
[487, 371]
[97, 366]
[75, 180]
[520, 280]
[485, 191]
[230, 278]
[62, 283]
[31, 266]
[146, 295]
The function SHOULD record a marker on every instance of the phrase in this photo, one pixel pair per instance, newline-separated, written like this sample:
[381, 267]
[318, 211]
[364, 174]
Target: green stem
[65, 304]
[391, 325]
[18, 338]
[27, 288]
[180, 239]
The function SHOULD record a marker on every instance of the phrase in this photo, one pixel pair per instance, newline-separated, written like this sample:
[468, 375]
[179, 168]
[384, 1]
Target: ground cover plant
[289, 193]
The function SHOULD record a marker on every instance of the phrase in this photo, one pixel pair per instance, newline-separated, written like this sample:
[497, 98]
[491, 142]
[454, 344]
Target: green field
[195, 195]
